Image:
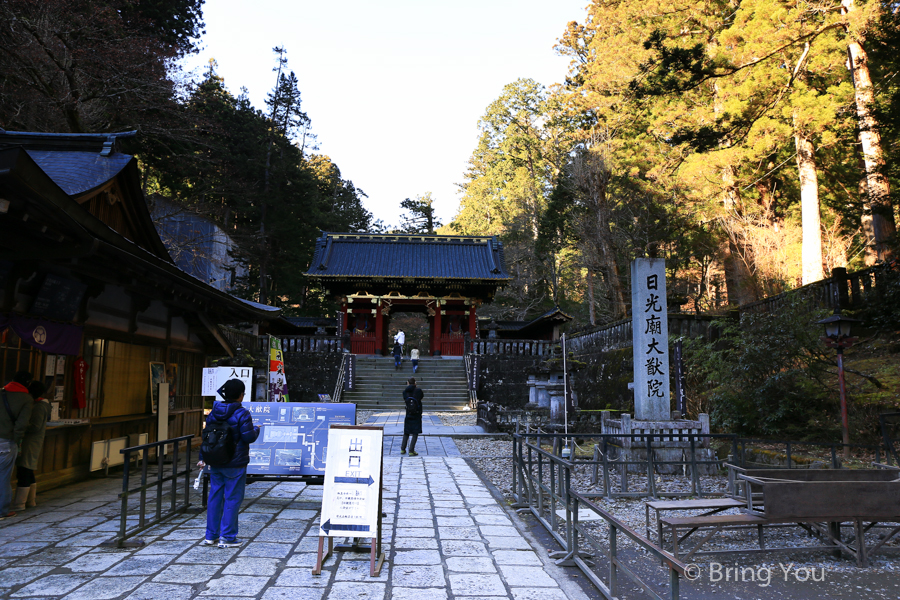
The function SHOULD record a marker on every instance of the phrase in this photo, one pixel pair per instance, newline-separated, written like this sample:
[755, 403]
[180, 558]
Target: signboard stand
[349, 474]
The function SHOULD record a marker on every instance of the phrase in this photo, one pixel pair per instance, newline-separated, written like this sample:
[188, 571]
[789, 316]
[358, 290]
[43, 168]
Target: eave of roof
[23, 168]
[408, 257]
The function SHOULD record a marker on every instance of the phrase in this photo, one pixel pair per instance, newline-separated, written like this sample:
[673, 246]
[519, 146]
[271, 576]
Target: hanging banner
[278, 391]
[51, 337]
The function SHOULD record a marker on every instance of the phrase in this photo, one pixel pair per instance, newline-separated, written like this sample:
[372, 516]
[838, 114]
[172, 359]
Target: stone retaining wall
[309, 374]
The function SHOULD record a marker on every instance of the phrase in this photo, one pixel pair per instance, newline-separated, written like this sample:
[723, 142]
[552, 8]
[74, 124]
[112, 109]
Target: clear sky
[394, 88]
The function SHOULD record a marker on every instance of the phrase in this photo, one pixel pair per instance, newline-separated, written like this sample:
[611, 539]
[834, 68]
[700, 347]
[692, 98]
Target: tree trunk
[878, 187]
[809, 209]
[739, 283]
[592, 311]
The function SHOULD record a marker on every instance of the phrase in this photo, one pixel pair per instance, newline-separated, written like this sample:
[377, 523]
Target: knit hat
[232, 390]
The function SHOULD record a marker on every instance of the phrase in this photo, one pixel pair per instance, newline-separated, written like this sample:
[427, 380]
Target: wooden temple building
[376, 275]
[93, 305]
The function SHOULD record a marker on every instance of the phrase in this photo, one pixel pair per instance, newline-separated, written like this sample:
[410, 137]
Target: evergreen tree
[419, 217]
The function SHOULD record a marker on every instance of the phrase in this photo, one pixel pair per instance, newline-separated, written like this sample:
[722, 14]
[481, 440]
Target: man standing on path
[227, 478]
[14, 416]
[412, 424]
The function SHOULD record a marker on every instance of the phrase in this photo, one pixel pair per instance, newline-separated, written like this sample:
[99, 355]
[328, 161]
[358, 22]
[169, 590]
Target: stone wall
[503, 379]
[603, 382]
[310, 374]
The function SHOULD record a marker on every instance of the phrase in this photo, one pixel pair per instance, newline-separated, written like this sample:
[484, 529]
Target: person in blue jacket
[226, 491]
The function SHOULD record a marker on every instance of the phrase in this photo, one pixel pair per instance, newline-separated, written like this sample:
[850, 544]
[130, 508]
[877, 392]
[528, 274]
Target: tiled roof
[411, 256]
[77, 172]
[554, 314]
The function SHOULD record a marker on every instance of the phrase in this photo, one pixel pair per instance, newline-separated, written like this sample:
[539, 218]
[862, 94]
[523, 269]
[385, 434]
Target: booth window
[17, 356]
[188, 379]
[119, 377]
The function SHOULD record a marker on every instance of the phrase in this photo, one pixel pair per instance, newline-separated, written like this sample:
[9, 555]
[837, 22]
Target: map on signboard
[294, 436]
[352, 482]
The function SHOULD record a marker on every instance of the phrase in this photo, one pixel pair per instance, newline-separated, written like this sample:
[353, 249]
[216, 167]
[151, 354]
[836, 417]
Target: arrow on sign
[367, 481]
[328, 526]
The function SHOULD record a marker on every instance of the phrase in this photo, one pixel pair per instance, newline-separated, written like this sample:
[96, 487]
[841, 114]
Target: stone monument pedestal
[668, 442]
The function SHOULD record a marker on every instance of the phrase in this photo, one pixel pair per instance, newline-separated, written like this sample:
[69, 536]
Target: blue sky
[394, 88]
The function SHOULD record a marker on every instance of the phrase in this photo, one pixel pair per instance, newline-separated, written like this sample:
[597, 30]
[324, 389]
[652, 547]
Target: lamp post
[837, 336]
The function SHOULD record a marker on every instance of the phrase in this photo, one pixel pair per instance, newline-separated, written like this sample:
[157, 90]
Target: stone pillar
[543, 397]
[532, 392]
[650, 336]
[557, 400]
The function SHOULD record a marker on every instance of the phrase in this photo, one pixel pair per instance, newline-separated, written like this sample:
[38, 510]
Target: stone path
[445, 536]
[432, 441]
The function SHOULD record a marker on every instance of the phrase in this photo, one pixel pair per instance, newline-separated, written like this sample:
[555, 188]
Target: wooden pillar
[472, 321]
[438, 331]
[345, 318]
[379, 330]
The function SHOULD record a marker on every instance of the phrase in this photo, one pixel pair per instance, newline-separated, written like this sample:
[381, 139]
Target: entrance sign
[650, 335]
[351, 502]
[215, 377]
[295, 436]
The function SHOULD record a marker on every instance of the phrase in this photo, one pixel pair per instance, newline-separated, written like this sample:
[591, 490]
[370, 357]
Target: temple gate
[375, 275]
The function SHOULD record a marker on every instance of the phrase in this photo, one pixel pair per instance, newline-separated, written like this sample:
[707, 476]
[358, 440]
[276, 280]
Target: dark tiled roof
[419, 256]
[554, 314]
[78, 172]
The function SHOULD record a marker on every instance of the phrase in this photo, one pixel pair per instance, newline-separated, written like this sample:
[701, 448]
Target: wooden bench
[715, 522]
[712, 505]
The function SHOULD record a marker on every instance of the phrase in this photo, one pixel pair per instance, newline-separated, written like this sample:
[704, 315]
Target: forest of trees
[87, 66]
[755, 143]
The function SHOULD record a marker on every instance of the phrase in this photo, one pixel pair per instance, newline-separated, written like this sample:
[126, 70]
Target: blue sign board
[294, 436]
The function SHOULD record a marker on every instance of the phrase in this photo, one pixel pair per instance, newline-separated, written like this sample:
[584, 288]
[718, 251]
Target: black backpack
[413, 404]
[217, 446]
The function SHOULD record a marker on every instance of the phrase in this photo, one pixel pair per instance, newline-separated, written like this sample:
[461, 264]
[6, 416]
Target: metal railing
[616, 468]
[544, 485]
[175, 507]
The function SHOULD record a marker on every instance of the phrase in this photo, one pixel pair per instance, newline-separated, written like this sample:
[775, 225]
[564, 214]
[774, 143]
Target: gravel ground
[363, 415]
[489, 457]
[458, 419]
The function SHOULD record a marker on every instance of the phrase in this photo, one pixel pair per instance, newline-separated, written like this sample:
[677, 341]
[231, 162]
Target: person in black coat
[412, 424]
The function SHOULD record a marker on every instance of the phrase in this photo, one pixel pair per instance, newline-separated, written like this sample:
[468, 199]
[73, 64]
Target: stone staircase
[379, 386]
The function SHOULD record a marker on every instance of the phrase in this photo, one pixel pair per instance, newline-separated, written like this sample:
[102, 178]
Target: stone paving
[445, 537]
[432, 442]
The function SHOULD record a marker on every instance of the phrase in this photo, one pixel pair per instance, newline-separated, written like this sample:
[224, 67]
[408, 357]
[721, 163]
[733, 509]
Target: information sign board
[294, 436]
[350, 503]
[215, 377]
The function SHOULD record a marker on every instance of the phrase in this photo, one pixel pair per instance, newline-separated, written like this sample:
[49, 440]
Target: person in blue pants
[226, 482]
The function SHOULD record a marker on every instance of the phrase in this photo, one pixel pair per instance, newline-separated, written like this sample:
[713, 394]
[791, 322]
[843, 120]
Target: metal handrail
[677, 569]
[175, 508]
[470, 387]
[542, 498]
